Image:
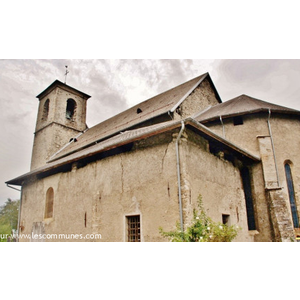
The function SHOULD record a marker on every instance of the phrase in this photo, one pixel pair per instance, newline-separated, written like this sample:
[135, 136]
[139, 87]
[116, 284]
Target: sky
[117, 84]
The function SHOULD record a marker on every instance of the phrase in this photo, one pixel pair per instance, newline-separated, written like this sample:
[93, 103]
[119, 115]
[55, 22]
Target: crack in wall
[163, 159]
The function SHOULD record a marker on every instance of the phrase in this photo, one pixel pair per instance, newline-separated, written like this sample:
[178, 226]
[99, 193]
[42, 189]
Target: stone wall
[57, 110]
[48, 141]
[201, 98]
[218, 182]
[55, 131]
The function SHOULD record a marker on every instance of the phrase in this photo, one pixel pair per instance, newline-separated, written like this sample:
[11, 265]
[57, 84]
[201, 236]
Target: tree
[202, 229]
[8, 218]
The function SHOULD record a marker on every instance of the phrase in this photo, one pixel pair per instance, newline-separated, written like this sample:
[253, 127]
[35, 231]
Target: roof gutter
[12, 187]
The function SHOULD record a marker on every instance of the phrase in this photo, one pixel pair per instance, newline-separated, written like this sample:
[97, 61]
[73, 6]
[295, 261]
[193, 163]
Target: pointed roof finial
[66, 74]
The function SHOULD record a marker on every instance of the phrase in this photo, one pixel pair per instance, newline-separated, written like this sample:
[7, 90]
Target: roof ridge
[240, 106]
[151, 108]
[266, 102]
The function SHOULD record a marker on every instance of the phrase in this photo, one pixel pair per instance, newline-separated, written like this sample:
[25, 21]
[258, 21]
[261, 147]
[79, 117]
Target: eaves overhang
[114, 142]
[63, 86]
[130, 137]
[209, 134]
[250, 112]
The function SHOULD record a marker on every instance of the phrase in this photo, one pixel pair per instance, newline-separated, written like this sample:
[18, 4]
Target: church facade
[146, 167]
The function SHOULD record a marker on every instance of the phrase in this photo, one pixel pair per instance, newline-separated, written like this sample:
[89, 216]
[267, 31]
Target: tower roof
[241, 105]
[64, 86]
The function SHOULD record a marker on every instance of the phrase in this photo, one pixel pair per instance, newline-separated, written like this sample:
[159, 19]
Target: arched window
[45, 110]
[71, 108]
[49, 203]
[290, 185]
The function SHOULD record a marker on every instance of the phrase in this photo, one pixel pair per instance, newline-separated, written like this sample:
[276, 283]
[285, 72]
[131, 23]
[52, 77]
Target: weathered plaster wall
[142, 181]
[244, 135]
[252, 136]
[48, 141]
[286, 139]
[217, 180]
[285, 131]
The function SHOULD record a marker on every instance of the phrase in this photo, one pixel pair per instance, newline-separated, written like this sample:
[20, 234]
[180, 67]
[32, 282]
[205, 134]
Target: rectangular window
[134, 228]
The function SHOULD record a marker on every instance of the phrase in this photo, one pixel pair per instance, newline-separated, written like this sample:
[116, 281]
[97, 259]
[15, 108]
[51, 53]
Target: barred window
[49, 203]
[134, 228]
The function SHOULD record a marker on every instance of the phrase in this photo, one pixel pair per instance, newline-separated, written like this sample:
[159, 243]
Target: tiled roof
[240, 106]
[153, 107]
[129, 137]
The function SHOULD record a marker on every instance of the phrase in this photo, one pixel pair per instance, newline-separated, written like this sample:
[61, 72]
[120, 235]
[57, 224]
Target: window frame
[137, 230]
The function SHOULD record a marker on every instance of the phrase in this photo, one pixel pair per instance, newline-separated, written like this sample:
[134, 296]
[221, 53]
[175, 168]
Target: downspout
[178, 175]
[19, 213]
[273, 148]
[223, 129]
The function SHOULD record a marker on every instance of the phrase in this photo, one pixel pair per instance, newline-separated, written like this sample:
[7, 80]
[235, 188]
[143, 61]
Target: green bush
[8, 218]
[202, 229]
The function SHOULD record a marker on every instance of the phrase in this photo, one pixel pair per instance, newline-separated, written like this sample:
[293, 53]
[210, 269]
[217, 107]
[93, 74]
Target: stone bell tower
[61, 116]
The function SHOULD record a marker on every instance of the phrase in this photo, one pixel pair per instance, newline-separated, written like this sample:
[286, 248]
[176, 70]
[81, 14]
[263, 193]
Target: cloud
[270, 80]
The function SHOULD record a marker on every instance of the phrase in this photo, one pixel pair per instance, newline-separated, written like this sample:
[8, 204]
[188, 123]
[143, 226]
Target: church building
[145, 168]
